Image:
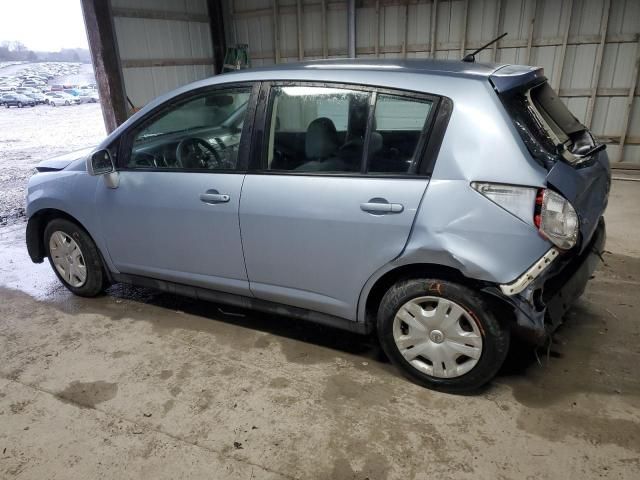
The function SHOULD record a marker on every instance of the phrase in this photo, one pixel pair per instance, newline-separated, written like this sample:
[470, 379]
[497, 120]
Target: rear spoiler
[509, 77]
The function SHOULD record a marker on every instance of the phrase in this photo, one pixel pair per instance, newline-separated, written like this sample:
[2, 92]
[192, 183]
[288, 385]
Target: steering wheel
[195, 152]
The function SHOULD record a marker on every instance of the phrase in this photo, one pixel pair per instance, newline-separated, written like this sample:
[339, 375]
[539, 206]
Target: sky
[44, 25]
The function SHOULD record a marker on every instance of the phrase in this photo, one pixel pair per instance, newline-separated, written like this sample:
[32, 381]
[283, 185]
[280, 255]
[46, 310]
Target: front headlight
[558, 220]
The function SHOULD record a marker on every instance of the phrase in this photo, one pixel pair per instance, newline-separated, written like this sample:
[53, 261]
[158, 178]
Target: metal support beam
[595, 80]
[563, 49]
[325, 34]
[218, 38]
[498, 30]
[377, 30]
[630, 96]
[351, 28]
[159, 15]
[276, 32]
[106, 62]
[299, 20]
[530, 39]
[405, 29]
[232, 15]
[434, 23]
[465, 16]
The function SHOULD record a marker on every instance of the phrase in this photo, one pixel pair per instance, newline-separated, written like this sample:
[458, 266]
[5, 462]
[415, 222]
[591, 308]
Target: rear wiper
[595, 149]
[470, 58]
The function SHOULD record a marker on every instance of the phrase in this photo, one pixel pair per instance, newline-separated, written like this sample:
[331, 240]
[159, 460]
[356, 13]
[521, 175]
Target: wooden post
[530, 39]
[434, 22]
[563, 49]
[98, 21]
[499, 21]
[276, 32]
[300, 29]
[218, 39]
[596, 69]
[630, 97]
[465, 16]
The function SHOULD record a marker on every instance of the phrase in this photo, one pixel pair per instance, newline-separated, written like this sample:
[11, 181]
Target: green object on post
[236, 58]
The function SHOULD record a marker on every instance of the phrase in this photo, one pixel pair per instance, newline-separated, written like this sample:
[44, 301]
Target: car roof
[453, 68]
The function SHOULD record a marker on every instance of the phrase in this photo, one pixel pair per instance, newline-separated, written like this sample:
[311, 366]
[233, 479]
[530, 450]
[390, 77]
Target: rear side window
[317, 129]
[398, 126]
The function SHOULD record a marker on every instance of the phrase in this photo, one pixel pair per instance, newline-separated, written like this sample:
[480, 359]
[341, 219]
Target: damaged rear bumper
[540, 307]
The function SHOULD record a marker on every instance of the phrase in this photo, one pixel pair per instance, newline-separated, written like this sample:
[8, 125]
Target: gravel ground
[30, 135]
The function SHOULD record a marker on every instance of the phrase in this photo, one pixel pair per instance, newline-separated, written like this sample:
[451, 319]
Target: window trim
[426, 151]
[125, 141]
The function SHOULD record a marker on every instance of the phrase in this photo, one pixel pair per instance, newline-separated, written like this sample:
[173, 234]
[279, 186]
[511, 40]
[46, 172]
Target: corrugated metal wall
[162, 44]
[589, 48]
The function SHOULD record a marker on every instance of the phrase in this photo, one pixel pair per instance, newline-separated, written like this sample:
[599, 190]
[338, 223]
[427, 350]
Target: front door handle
[380, 206]
[212, 197]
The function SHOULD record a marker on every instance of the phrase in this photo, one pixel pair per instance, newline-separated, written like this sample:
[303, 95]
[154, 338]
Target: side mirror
[100, 163]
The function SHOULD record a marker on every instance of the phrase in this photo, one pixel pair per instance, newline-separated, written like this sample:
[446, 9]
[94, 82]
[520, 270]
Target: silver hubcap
[437, 337]
[67, 258]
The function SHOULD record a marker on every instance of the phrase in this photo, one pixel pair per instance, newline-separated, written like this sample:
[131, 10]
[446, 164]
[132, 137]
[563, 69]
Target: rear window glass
[546, 124]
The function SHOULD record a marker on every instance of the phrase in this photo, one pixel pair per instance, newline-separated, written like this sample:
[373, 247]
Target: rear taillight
[557, 220]
[551, 213]
[516, 200]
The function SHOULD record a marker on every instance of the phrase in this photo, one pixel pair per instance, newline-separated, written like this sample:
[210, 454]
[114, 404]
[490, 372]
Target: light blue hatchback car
[443, 204]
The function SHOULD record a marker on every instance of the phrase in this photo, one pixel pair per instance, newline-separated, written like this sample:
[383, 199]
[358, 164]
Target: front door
[335, 195]
[174, 213]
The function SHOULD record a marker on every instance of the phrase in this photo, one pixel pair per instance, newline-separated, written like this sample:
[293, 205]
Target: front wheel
[67, 103]
[19, 104]
[441, 334]
[74, 258]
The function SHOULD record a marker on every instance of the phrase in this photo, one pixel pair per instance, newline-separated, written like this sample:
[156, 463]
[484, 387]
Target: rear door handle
[212, 197]
[377, 206]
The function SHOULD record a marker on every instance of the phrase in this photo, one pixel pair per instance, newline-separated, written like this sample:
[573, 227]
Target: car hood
[62, 161]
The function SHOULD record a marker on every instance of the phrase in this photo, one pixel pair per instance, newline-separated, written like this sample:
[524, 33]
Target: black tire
[495, 336]
[19, 104]
[66, 102]
[96, 278]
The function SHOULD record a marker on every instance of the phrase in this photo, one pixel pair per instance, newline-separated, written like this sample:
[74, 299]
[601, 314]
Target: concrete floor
[141, 384]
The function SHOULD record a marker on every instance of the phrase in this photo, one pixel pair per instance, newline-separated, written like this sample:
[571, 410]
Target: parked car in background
[87, 96]
[39, 98]
[56, 88]
[17, 100]
[441, 204]
[58, 98]
[72, 91]
[26, 90]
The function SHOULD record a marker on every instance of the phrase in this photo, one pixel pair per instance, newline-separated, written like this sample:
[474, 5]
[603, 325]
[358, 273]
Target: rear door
[333, 191]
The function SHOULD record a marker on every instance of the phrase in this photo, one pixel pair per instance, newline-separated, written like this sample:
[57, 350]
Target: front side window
[202, 133]
[397, 128]
[317, 129]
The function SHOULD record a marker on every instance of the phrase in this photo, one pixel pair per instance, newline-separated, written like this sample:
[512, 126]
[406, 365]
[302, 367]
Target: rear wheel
[74, 258]
[441, 334]
[19, 104]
